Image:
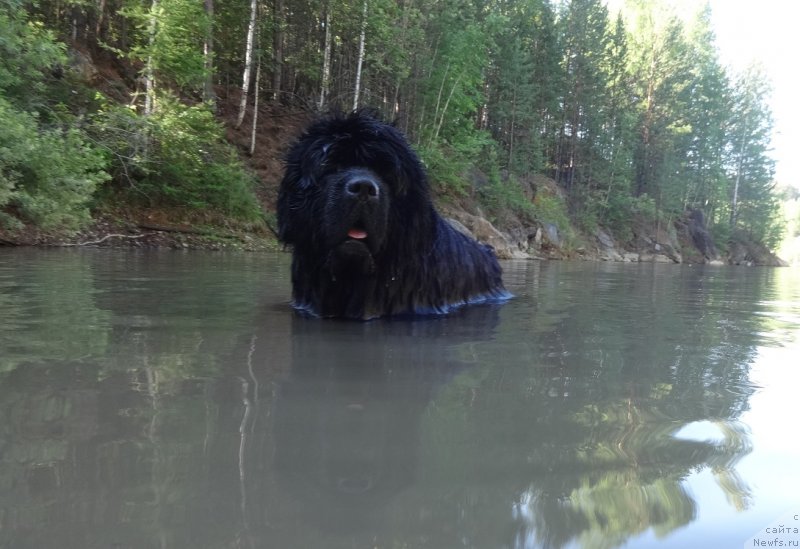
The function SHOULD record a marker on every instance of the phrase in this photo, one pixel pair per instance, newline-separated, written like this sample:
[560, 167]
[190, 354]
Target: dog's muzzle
[356, 211]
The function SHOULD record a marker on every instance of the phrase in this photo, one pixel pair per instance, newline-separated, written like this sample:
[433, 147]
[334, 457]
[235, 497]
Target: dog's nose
[363, 188]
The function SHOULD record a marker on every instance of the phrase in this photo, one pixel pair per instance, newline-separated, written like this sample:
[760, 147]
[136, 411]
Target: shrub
[177, 156]
[549, 208]
[27, 50]
[445, 171]
[46, 175]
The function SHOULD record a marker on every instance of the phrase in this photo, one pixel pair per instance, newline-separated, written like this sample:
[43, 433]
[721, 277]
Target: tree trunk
[644, 170]
[248, 61]
[98, 27]
[277, 50]
[512, 129]
[208, 56]
[444, 109]
[360, 56]
[735, 200]
[149, 70]
[326, 60]
[255, 107]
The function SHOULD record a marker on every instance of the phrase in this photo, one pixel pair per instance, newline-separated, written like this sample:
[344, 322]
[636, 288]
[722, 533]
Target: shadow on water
[176, 401]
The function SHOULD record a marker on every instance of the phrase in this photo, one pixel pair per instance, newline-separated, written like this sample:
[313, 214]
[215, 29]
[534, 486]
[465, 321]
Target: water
[174, 400]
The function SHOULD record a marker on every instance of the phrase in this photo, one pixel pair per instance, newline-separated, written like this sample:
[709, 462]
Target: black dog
[354, 204]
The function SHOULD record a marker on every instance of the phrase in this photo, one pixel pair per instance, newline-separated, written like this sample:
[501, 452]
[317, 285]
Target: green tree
[616, 141]
[707, 115]
[48, 170]
[754, 206]
[521, 83]
[451, 90]
[27, 52]
[634, 117]
[584, 40]
[660, 63]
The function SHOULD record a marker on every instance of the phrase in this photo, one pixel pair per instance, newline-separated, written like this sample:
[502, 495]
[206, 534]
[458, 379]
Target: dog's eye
[324, 160]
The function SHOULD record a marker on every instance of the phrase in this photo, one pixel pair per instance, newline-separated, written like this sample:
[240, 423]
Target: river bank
[149, 229]
[683, 242]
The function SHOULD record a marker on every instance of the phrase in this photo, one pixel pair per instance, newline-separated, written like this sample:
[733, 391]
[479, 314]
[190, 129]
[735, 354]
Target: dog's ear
[397, 155]
[410, 176]
[285, 231]
[292, 204]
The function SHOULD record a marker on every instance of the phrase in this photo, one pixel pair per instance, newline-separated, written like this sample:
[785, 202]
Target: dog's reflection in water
[348, 419]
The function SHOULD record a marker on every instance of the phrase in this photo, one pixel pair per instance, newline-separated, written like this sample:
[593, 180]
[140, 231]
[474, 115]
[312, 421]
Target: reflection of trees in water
[47, 308]
[111, 415]
[588, 445]
[625, 485]
[467, 430]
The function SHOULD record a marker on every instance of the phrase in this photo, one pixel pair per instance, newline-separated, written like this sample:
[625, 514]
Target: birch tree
[208, 54]
[326, 59]
[248, 61]
[277, 48]
[361, 41]
[255, 107]
[752, 168]
[149, 70]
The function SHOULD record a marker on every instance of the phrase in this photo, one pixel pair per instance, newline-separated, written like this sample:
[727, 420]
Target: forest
[630, 114]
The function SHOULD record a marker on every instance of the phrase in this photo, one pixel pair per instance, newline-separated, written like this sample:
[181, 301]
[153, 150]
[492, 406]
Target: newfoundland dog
[355, 207]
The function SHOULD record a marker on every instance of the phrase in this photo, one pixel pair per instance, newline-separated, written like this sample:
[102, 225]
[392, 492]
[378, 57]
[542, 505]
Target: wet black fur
[355, 171]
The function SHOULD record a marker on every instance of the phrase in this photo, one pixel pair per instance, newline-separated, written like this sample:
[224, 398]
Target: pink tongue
[358, 234]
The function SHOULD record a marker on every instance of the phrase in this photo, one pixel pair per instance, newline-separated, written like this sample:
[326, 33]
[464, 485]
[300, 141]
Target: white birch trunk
[208, 55]
[277, 49]
[255, 107]
[360, 55]
[149, 70]
[248, 61]
[444, 109]
[326, 60]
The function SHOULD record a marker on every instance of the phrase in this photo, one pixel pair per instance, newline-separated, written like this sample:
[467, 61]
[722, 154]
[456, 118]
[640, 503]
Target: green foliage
[616, 215]
[27, 49]
[502, 193]
[179, 27]
[445, 171]
[507, 195]
[584, 41]
[46, 175]
[615, 110]
[453, 92]
[48, 171]
[754, 205]
[52, 163]
[194, 166]
[521, 83]
[448, 164]
[550, 208]
[721, 234]
[177, 157]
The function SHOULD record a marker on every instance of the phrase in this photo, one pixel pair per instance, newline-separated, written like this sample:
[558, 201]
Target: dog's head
[347, 179]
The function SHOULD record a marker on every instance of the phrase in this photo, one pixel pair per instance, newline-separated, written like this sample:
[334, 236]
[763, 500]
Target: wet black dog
[354, 204]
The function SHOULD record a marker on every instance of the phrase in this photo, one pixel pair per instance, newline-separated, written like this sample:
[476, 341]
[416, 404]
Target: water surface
[174, 400]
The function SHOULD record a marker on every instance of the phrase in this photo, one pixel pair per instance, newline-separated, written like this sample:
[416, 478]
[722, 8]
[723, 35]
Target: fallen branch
[93, 242]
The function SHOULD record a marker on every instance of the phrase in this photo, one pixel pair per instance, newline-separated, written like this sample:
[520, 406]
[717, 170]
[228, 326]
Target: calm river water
[174, 400]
